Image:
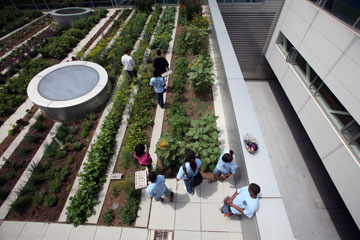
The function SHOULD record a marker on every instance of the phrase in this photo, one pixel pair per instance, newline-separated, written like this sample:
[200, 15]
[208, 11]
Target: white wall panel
[354, 50]
[295, 89]
[322, 48]
[290, 35]
[344, 182]
[305, 10]
[321, 133]
[338, 159]
[348, 72]
[333, 31]
[278, 63]
[293, 19]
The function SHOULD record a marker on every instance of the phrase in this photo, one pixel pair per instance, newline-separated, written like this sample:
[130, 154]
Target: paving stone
[221, 235]
[187, 216]
[183, 196]
[143, 213]
[212, 192]
[213, 220]
[182, 235]
[82, 232]
[108, 233]
[57, 231]
[11, 230]
[162, 215]
[33, 231]
[134, 234]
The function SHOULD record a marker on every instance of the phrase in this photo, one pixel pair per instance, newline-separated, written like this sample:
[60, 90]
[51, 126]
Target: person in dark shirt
[160, 63]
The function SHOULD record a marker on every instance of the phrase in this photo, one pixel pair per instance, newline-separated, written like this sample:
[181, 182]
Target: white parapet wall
[241, 119]
[332, 49]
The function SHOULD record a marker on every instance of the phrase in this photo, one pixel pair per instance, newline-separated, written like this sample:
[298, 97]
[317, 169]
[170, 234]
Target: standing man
[244, 201]
[158, 84]
[129, 63]
[160, 63]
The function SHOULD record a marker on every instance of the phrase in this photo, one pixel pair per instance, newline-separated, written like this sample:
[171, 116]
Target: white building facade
[316, 58]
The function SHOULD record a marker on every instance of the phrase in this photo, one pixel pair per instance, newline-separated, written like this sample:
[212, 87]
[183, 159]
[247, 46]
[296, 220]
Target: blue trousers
[226, 209]
[188, 187]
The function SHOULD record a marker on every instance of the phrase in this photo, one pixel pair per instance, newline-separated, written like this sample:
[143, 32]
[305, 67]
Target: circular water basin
[69, 90]
[65, 16]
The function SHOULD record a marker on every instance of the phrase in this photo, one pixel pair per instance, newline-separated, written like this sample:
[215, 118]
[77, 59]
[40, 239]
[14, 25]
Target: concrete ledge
[241, 119]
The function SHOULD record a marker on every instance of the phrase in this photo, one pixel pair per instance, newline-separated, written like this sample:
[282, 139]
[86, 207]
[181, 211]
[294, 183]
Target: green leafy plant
[171, 153]
[49, 201]
[39, 126]
[108, 217]
[92, 116]
[73, 130]
[200, 74]
[50, 150]
[128, 213]
[54, 185]
[84, 133]
[70, 160]
[76, 146]
[31, 137]
[23, 151]
[202, 137]
[60, 153]
[39, 197]
[86, 126]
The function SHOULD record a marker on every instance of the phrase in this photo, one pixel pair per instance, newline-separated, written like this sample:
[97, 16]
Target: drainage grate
[161, 235]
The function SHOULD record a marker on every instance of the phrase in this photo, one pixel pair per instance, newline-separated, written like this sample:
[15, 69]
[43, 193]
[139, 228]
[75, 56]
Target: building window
[336, 112]
[346, 10]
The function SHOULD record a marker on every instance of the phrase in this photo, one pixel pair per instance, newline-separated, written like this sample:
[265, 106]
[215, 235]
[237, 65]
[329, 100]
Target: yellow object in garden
[163, 144]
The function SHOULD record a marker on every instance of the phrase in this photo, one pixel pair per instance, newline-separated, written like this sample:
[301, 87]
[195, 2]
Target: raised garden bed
[45, 194]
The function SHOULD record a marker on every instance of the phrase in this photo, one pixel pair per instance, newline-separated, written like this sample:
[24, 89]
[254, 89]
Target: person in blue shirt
[157, 187]
[192, 166]
[158, 84]
[225, 166]
[244, 201]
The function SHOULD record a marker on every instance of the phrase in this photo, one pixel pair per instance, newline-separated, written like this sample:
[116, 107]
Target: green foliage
[60, 153]
[73, 130]
[23, 151]
[9, 176]
[50, 150]
[128, 213]
[179, 125]
[196, 38]
[108, 217]
[49, 201]
[19, 205]
[39, 126]
[164, 30]
[92, 116]
[202, 137]
[86, 126]
[31, 137]
[38, 197]
[126, 155]
[69, 139]
[84, 134]
[54, 185]
[173, 154]
[70, 160]
[76, 146]
[62, 132]
[200, 74]
[200, 21]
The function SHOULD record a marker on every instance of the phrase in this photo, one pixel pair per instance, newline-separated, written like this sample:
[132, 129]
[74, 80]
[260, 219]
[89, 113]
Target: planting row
[11, 19]
[93, 175]
[190, 121]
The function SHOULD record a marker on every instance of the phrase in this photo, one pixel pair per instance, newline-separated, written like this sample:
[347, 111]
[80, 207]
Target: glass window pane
[346, 10]
[301, 63]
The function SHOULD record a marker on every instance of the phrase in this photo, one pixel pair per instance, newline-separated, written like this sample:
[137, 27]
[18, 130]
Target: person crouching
[157, 187]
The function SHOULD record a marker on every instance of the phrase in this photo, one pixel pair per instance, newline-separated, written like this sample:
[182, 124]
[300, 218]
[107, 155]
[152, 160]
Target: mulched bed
[10, 138]
[101, 30]
[52, 214]
[14, 40]
[122, 196]
[23, 161]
